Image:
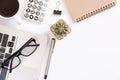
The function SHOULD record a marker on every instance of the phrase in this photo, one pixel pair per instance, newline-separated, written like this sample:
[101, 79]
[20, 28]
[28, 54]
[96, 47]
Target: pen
[49, 57]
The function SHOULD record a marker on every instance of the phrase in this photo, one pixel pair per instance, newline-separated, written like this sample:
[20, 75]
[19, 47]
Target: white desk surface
[90, 52]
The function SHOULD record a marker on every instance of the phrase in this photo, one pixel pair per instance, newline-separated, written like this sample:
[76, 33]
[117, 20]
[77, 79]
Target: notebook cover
[81, 9]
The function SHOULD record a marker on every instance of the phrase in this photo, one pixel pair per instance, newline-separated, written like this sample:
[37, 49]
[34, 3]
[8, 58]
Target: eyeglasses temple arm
[10, 71]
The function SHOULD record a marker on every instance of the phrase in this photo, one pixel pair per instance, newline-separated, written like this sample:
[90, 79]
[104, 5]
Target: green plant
[61, 29]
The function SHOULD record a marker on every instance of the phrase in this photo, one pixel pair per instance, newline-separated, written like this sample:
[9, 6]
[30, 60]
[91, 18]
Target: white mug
[9, 9]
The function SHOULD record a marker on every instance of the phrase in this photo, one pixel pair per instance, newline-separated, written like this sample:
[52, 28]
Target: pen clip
[54, 41]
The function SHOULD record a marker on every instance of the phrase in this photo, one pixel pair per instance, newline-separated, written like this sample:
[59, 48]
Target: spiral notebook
[82, 9]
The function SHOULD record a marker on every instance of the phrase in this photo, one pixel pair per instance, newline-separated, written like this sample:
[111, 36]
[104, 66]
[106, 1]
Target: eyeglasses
[15, 59]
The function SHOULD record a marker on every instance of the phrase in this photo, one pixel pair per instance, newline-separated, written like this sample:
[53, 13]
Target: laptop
[32, 67]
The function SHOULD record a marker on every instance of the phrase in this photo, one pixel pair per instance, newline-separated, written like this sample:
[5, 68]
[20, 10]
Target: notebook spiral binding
[96, 11]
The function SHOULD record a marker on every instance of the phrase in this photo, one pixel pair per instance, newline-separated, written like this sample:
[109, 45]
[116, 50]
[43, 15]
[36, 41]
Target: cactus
[60, 29]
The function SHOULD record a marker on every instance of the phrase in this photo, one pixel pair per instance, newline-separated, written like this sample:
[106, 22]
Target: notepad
[82, 9]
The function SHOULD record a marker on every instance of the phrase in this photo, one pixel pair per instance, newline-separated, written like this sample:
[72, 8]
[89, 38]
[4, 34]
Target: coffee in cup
[8, 8]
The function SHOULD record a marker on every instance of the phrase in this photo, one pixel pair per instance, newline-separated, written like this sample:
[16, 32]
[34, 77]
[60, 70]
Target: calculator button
[37, 13]
[45, 5]
[30, 0]
[39, 8]
[34, 6]
[32, 12]
[29, 5]
[27, 10]
[36, 18]
[40, 3]
[26, 15]
[41, 17]
[31, 16]
[46, 0]
[43, 9]
[35, 1]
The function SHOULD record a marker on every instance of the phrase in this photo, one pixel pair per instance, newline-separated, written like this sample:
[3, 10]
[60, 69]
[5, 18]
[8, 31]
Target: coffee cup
[8, 9]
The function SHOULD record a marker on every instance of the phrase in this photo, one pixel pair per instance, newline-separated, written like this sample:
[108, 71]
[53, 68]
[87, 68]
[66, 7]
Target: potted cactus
[60, 29]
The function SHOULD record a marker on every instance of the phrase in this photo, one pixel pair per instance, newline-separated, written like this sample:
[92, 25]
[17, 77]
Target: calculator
[35, 10]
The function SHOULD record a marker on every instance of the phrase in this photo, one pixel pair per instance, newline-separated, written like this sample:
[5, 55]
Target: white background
[90, 52]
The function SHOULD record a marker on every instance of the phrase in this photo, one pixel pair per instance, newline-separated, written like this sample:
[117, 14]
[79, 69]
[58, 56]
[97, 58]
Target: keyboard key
[6, 64]
[10, 44]
[5, 39]
[3, 74]
[1, 56]
[1, 37]
[7, 55]
[13, 38]
[2, 50]
[0, 62]
[10, 50]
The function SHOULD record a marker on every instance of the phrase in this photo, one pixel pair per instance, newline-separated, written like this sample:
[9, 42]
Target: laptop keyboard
[7, 44]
